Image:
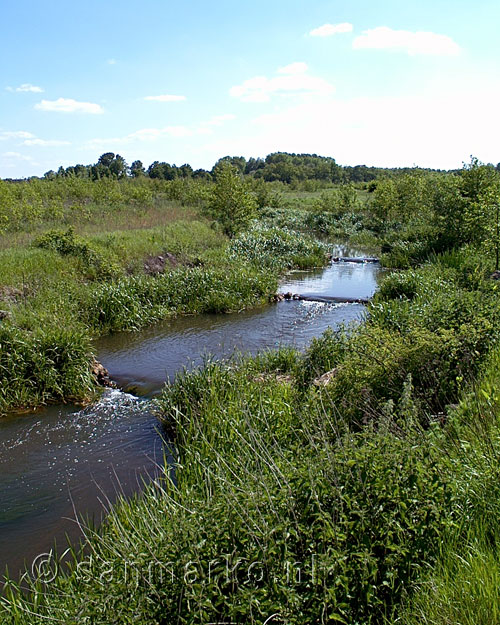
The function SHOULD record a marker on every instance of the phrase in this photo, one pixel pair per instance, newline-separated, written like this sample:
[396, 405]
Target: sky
[389, 83]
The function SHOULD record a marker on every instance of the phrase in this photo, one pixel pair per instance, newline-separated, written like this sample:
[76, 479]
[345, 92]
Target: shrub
[48, 365]
[95, 265]
[231, 203]
[277, 248]
[398, 286]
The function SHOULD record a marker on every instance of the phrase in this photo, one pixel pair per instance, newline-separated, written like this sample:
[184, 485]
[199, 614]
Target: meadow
[77, 262]
[355, 482]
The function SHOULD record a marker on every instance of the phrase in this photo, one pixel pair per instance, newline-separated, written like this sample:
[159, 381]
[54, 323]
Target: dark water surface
[63, 460]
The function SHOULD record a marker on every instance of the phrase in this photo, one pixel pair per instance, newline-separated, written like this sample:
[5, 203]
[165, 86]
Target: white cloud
[111, 61]
[16, 134]
[293, 68]
[68, 105]
[148, 135]
[218, 120]
[327, 30]
[413, 43]
[165, 98]
[15, 164]
[261, 88]
[26, 87]
[383, 131]
[16, 156]
[45, 142]
[29, 139]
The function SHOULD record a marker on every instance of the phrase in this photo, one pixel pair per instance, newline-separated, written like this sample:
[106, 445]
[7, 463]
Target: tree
[137, 169]
[118, 167]
[202, 174]
[254, 164]
[155, 170]
[231, 203]
[238, 162]
[163, 171]
[81, 171]
[185, 171]
[106, 159]
[109, 165]
[480, 188]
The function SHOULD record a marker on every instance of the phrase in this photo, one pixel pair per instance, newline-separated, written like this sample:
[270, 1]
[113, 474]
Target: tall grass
[464, 587]
[366, 500]
[275, 510]
[93, 284]
[277, 248]
[48, 364]
[133, 302]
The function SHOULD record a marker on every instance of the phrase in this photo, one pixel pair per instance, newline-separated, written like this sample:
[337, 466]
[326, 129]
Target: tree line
[282, 167]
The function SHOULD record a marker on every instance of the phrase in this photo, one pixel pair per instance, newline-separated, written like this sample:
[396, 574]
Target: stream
[63, 463]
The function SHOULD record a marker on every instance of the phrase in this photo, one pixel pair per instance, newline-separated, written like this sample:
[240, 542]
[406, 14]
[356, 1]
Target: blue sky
[378, 83]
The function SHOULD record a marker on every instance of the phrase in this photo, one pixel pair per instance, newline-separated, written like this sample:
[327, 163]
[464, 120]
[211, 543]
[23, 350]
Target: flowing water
[62, 463]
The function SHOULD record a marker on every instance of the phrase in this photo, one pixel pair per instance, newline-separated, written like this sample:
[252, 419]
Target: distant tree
[231, 203]
[81, 171]
[238, 162]
[154, 171]
[360, 173]
[168, 172]
[202, 174]
[137, 169]
[185, 171]
[109, 165]
[106, 159]
[480, 188]
[254, 164]
[118, 167]
[164, 171]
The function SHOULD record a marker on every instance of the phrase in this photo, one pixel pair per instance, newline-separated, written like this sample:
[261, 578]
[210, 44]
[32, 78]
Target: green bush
[277, 248]
[48, 365]
[95, 264]
[398, 286]
[134, 301]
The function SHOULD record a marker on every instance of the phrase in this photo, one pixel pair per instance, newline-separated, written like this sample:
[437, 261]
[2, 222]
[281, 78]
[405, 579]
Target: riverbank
[336, 478]
[356, 482]
[62, 290]
[74, 456]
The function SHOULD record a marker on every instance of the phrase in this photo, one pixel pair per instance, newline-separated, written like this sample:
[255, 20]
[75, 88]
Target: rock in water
[101, 374]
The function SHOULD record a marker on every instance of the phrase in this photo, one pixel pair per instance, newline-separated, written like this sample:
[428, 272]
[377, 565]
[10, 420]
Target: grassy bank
[356, 482]
[60, 288]
[367, 495]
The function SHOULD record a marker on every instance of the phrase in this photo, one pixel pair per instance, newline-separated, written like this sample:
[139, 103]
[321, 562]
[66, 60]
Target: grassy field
[356, 482]
[119, 267]
[368, 499]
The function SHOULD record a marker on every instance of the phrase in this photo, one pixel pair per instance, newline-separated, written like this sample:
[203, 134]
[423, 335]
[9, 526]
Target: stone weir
[328, 299]
[349, 259]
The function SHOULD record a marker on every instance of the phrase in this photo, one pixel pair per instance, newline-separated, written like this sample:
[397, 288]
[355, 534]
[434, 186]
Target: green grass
[93, 283]
[316, 524]
[277, 248]
[373, 499]
[463, 588]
